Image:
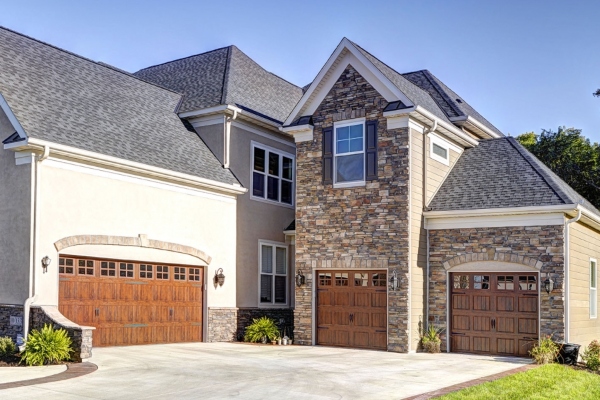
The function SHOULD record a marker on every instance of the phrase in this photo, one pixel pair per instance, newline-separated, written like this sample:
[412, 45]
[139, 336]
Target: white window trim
[442, 143]
[270, 149]
[594, 290]
[341, 124]
[287, 273]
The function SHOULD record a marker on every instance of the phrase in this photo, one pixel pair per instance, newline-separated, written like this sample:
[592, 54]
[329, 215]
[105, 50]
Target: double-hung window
[593, 288]
[349, 145]
[272, 175]
[273, 274]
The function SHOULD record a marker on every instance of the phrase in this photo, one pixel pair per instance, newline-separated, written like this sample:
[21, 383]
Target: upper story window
[272, 175]
[439, 150]
[349, 152]
[593, 288]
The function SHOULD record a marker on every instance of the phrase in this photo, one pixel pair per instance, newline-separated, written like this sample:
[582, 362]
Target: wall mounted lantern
[394, 280]
[548, 285]
[219, 277]
[45, 263]
[300, 279]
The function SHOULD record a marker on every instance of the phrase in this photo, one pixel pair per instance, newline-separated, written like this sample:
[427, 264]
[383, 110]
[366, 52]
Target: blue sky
[524, 65]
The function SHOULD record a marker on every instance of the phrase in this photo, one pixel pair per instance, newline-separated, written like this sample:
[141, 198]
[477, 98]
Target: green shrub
[261, 328]
[7, 347]
[545, 351]
[47, 346]
[591, 356]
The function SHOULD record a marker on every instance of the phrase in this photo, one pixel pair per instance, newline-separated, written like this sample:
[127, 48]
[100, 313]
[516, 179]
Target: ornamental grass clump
[7, 348]
[545, 351]
[591, 356]
[430, 339]
[46, 346]
[260, 330]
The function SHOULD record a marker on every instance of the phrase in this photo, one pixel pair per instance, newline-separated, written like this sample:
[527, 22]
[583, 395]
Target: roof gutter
[565, 208]
[131, 166]
[474, 125]
[231, 110]
[462, 136]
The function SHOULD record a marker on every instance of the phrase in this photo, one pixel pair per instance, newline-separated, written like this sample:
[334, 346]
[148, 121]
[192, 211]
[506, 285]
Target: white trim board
[270, 136]
[495, 221]
[123, 177]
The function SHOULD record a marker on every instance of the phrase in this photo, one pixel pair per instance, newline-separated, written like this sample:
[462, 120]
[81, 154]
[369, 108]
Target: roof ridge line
[99, 63]
[184, 58]
[534, 163]
[442, 92]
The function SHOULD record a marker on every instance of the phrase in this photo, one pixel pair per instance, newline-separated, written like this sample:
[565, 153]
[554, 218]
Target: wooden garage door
[494, 313]
[132, 302]
[352, 309]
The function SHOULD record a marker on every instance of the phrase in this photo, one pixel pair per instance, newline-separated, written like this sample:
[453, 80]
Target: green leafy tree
[597, 93]
[571, 156]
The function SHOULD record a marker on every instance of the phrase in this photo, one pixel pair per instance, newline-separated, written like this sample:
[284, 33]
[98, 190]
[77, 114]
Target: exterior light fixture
[548, 285]
[394, 280]
[219, 277]
[46, 262]
[300, 279]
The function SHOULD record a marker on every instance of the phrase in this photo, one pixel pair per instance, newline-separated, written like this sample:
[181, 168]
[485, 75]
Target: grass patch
[552, 381]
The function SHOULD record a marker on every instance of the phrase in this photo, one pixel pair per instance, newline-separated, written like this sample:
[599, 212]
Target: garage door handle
[493, 323]
[170, 312]
[97, 312]
[351, 317]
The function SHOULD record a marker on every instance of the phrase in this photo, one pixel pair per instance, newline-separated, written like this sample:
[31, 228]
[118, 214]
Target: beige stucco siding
[584, 244]
[15, 223]
[436, 173]
[256, 219]
[81, 200]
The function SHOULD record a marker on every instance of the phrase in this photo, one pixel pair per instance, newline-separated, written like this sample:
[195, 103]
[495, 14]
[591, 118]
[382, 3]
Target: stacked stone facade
[6, 329]
[541, 247]
[222, 324]
[360, 227]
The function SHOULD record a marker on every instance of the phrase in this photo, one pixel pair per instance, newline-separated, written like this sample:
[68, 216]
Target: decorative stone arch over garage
[140, 241]
[513, 258]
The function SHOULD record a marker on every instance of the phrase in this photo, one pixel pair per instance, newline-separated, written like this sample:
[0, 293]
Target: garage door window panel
[125, 270]
[66, 266]
[162, 272]
[85, 267]
[108, 269]
[146, 271]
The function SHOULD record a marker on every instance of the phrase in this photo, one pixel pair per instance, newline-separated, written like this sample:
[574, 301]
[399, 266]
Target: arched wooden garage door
[132, 302]
[494, 313]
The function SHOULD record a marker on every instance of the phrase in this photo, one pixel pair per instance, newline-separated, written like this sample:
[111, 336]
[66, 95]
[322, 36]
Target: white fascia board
[300, 133]
[16, 145]
[290, 233]
[358, 61]
[561, 208]
[478, 125]
[131, 166]
[209, 110]
[395, 122]
[495, 221]
[12, 118]
[207, 120]
[453, 130]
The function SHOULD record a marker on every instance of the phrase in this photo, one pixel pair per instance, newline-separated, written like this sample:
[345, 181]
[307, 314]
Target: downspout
[425, 163]
[32, 292]
[567, 267]
[227, 139]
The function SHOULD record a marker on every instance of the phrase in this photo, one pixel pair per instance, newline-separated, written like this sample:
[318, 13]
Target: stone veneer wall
[81, 336]
[283, 317]
[358, 227]
[537, 246]
[222, 324]
[6, 311]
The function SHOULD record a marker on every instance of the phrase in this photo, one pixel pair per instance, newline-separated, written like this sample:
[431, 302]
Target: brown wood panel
[352, 308]
[494, 313]
[129, 303]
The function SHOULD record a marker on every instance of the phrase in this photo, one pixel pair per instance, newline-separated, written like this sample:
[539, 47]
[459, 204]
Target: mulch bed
[581, 367]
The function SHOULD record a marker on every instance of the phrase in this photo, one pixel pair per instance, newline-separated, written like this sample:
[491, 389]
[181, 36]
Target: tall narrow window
[272, 174]
[593, 289]
[349, 152]
[273, 274]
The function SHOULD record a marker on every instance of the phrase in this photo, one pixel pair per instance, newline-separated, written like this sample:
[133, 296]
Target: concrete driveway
[221, 370]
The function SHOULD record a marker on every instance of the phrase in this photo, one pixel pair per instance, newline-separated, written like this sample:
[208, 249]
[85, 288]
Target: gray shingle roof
[63, 98]
[501, 173]
[416, 94]
[225, 76]
[450, 102]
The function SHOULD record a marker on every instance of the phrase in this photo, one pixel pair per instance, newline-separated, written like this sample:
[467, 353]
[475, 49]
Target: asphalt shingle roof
[225, 76]
[451, 103]
[63, 98]
[501, 173]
